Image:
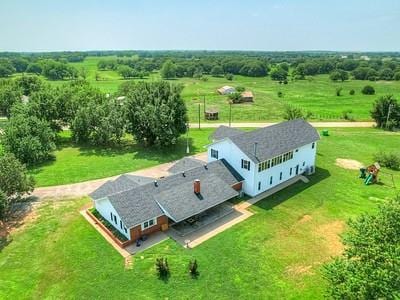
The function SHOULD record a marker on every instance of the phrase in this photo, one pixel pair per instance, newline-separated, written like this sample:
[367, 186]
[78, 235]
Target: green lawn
[275, 254]
[79, 163]
[316, 94]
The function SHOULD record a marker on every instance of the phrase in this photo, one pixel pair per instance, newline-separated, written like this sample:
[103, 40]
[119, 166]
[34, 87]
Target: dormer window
[245, 164]
[214, 153]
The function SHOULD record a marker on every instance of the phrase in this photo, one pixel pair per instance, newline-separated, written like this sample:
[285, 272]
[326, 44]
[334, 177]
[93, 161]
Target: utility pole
[187, 139]
[199, 115]
[230, 113]
[204, 103]
[388, 115]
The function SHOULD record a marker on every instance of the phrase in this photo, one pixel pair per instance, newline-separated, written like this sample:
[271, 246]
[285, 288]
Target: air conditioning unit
[310, 170]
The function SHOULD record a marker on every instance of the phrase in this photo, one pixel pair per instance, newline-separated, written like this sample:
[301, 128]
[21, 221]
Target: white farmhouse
[268, 156]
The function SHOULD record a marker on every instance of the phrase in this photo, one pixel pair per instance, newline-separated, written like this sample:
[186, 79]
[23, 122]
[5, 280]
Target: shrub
[292, 113]
[229, 76]
[381, 114]
[280, 94]
[240, 89]
[235, 97]
[193, 268]
[352, 92]
[347, 115]
[338, 91]
[162, 268]
[388, 160]
[368, 90]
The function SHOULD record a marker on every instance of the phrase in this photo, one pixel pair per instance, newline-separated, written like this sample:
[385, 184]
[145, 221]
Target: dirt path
[315, 124]
[84, 188]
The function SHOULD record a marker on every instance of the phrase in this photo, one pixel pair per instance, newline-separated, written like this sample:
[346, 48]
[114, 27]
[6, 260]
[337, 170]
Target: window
[245, 164]
[214, 153]
[297, 150]
[120, 224]
[280, 176]
[259, 185]
[112, 217]
[126, 230]
[270, 180]
[149, 223]
[290, 171]
[304, 163]
[115, 219]
[312, 145]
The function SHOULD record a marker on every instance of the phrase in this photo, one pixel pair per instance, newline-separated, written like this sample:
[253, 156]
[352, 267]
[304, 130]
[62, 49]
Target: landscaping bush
[162, 268]
[193, 268]
[388, 160]
[108, 225]
[368, 90]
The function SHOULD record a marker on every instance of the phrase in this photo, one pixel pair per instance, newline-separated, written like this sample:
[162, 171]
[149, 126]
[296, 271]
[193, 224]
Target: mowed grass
[316, 94]
[74, 163]
[277, 253]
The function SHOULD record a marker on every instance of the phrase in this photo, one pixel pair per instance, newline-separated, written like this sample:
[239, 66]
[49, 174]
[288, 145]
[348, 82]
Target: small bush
[339, 91]
[229, 76]
[368, 90]
[193, 268]
[285, 81]
[352, 92]
[280, 94]
[348, 115]
[162, 268]
[388, 160]
[204, 78]
[240, 89]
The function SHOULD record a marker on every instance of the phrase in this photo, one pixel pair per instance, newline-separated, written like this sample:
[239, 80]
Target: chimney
[255, 149]
[196, 186]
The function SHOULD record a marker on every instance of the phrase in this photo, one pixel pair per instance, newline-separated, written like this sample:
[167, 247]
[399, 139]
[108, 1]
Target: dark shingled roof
[122, 183]
[224, 131]
[184, 164]
[181, 202]
[128, 203]
[276, 139]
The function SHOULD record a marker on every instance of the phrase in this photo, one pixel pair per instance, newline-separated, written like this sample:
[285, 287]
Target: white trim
[143, 225]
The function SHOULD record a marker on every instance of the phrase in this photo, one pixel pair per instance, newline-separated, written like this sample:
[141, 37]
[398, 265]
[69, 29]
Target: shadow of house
[276, 199]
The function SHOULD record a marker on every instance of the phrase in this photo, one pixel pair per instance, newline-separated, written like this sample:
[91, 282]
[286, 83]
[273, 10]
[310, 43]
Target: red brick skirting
[109, 233]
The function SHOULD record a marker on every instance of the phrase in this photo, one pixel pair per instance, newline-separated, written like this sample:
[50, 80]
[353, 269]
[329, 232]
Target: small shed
[247, 96]
[211, 114]
[226, 90]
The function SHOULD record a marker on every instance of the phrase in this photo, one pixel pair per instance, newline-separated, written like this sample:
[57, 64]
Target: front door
[297, 170]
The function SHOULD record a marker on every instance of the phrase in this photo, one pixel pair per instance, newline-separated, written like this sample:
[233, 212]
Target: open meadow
[316, 94]
[277, 253]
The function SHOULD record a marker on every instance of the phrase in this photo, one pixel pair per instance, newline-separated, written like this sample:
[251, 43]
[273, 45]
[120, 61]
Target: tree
[386, 74]
[254, 69]
[380, 112]
[6, 68]
[156, 113]
[29, 84]
[193, 268]
[293, 113]
[369, 266]
[14, 182]
[10, 94]
[30, 139]
[99, 123]
[229, 76]
[339, 91]
[34, 68]
[352, 92]
[235, 97]
[127, 72]
[20, 64]
[397, 76]
[168, 70]
[217, 71]
[162, 268]
[339, 75]
[368, 90]
[279, 74]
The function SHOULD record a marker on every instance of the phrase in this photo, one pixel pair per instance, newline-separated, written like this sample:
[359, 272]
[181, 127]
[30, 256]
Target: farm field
[278, 253]
[316, 94]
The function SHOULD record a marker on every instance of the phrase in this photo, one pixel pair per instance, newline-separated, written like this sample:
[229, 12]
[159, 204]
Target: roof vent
[255, 149]
[183, 174]
[155, 183]
[206, 166]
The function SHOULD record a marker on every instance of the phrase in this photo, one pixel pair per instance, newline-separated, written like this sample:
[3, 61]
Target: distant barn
[226, 90]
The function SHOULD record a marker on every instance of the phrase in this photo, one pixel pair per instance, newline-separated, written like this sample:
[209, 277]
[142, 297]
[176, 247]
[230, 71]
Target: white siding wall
[105, 208]
[305, 155]
[233, 155]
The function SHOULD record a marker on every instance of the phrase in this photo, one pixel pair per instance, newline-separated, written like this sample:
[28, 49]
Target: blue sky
[52, 25]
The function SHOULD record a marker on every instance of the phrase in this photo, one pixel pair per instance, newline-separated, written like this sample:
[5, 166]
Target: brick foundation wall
[137, 232]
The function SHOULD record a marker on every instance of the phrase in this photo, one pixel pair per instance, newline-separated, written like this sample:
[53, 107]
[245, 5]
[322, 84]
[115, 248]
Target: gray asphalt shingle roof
[184, 164]
[224, 131]
[181, 202]
[276, 139]
[122, 183]
[139, 203]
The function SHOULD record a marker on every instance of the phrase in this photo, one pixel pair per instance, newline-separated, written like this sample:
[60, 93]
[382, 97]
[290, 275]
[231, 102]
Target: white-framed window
[214, 153]
[280, 176]
[312, 145]
[245, 164]
[259, 185]
[149, 223]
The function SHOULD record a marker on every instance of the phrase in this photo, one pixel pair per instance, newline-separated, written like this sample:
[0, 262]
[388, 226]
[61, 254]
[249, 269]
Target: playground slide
[368, 180]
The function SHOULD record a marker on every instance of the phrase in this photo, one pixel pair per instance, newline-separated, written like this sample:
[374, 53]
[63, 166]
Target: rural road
[264, 124]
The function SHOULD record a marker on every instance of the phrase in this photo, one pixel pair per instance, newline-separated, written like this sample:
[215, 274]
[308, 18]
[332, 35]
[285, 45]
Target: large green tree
[30, 139]
[10, 94]
[168, 70]
[14, 182]
[156, 112]
[370, 265]
[386, 112]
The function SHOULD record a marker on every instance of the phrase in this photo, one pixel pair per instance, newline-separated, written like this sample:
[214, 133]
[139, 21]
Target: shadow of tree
[274, 200]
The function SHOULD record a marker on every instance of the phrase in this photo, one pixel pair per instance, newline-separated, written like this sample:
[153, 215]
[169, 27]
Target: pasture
[277, 254]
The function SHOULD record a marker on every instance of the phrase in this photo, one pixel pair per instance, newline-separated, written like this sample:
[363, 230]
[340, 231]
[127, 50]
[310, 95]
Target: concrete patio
[152, 240]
